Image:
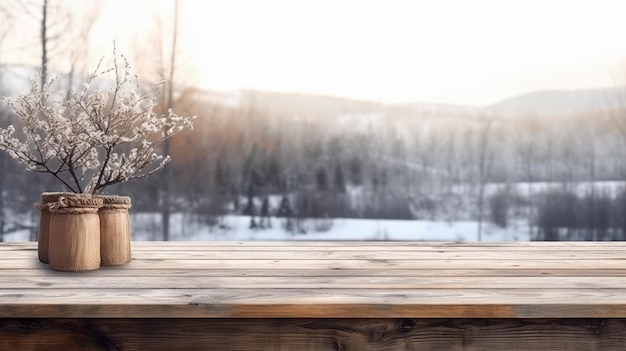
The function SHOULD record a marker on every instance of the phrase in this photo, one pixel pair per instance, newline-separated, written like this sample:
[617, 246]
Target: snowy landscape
[191, 227]
[312, 175]
[236, 228]
[542, 162]
[324, 168]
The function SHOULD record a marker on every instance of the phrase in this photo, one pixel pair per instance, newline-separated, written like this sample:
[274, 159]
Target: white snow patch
[147, 227]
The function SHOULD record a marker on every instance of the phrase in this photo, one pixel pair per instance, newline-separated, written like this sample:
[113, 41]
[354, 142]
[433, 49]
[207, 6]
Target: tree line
[299, 157]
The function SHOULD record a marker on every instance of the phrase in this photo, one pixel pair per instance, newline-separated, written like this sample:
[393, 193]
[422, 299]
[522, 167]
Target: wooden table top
[325, 280]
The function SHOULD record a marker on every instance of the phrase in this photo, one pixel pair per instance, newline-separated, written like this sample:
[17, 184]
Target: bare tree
[44, 43]
[50, 31]
[167, 181]
[62, 31]
[53, 22]
[79, 51]
[167, 172]
[619, 120]
[6, 22]
[485, 160]
[527, 151]
[161, 68]
[590, 160]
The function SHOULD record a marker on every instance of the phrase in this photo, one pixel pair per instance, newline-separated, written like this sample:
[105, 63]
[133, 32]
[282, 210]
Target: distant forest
[312, 157]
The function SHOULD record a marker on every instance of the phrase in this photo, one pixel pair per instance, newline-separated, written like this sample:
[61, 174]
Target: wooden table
[321, 296]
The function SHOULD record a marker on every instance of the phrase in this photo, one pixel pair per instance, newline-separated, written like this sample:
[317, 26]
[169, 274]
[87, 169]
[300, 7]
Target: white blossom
[99, 137]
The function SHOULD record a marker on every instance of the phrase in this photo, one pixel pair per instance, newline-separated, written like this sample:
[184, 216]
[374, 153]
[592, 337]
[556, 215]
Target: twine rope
[76, 210]
[75, 205]
[115, 203]
[114, 208]
[60, 203]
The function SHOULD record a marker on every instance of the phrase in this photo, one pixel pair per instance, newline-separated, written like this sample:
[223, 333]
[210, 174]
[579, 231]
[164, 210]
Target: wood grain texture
[325, 279]
[325, 254]
[365, 282]
[311, 334]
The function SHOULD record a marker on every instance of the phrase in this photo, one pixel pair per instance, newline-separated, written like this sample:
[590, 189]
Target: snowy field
[146, 227]
[236, 228]
[612, 188]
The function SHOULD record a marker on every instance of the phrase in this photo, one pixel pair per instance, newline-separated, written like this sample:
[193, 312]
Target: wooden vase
[47, 200]
[74, 234]
[114, 230]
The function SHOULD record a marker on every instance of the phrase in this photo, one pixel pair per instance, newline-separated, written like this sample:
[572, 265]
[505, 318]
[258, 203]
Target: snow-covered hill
[436, 109]
[559, 103]
[15, 79]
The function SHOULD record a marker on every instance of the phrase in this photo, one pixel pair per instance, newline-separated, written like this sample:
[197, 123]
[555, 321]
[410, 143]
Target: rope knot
[60, 203]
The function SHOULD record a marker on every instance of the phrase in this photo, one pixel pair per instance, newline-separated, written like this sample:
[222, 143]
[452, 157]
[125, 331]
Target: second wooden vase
[114, 230]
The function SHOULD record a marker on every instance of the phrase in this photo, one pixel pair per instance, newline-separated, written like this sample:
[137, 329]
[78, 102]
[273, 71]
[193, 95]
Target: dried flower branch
[94, 139]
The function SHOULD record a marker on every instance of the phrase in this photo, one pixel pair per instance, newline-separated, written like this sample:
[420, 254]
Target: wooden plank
[140, 246]
[316, 280]
[326, 254]
[440, 244]
[320, 282]
[312, 303]
[382, 254]
[354, 246]
[382, 264]
[378, 245]
[349, 246]
[312, 334]
[122, 271]
[362, 245]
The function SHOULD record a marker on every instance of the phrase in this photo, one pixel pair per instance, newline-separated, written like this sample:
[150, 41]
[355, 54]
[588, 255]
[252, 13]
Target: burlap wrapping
[40, 206]
[75, 204]
[48, 199]
[54, 196]
[114, 202]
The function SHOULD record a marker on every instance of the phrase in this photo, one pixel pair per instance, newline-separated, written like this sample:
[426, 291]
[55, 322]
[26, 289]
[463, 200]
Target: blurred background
[350, 120]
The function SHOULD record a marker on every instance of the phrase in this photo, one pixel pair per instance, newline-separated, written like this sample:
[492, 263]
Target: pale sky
[472, 52]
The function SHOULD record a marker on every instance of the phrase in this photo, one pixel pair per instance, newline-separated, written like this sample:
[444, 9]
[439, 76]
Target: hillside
[559, 103]
[14, 79]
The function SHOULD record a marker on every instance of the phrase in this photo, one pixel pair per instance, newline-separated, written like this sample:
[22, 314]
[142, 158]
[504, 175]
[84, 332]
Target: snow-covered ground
[578, 188]
[146, 226]
[21, 235]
